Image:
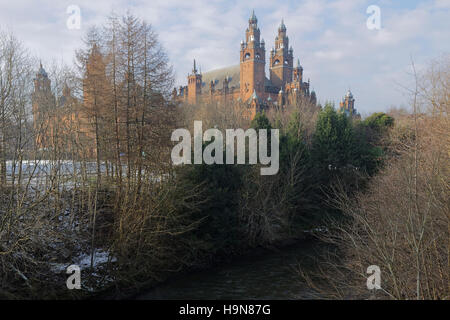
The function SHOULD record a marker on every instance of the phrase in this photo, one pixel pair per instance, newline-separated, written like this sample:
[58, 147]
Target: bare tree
[401, 222]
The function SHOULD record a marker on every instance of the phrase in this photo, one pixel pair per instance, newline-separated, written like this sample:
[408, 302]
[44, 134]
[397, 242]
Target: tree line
[90, 173]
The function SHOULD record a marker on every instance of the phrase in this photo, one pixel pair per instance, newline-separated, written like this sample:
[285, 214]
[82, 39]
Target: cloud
[331, 39]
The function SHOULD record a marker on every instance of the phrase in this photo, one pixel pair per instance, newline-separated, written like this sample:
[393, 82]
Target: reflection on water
[270, 275]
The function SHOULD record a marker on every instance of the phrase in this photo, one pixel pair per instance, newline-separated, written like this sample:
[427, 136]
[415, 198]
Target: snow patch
[83, 260]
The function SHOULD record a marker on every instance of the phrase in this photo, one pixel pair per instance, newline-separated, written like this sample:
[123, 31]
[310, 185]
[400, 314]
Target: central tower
[281, 59]
[252, 61]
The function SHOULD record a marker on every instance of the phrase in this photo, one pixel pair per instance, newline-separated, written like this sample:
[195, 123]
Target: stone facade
[63, 124]
[58, 123]
[247, 83]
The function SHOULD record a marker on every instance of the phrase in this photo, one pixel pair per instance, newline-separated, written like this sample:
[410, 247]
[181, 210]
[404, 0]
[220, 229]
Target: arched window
[247, 56]
[276, 62]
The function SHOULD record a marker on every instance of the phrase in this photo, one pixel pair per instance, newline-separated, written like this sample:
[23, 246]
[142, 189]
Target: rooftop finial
[194, 70]
[282, 25]
[42, 70]
[349, 93]
[253, 19]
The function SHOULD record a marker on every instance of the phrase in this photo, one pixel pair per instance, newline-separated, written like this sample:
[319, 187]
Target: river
[272, 274]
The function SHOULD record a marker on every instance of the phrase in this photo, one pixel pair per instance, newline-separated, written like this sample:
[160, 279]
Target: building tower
[298, 73]
[252, 61]
[194, 85]
[281, 59]
[43, 101]
[347, 105]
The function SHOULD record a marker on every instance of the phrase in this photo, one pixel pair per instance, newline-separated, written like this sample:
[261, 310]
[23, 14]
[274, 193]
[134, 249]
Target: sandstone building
[97, 118]
[246, 83]
[347, 105]
[65, 124]
[57, 122]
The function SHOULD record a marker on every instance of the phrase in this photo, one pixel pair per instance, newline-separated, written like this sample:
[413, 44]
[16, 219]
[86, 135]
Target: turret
[313, 98]
[298, 73]
[42, 100]
[281, 59]
[347, 104]
[194, 85]
[252, 61]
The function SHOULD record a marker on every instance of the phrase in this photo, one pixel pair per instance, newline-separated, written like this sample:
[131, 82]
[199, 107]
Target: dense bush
[219, 228]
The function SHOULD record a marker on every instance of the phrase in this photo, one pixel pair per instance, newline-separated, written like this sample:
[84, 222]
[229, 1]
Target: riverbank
[241, 277]
[262, 275]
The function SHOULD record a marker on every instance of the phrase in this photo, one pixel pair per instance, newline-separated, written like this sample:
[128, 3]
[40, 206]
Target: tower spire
[252, 61]
[282, 25]
[194, 84]
[194, 70]
[253, 20]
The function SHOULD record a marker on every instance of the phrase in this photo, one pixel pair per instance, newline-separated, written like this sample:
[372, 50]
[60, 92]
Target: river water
[269, 275]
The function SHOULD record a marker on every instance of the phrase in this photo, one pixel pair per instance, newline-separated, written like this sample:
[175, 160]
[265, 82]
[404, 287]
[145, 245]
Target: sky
[336, 48]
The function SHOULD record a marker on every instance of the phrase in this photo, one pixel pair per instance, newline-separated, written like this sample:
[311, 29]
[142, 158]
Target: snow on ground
[83, 260]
